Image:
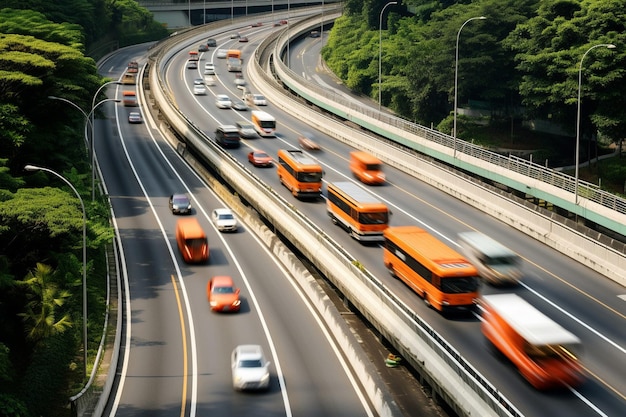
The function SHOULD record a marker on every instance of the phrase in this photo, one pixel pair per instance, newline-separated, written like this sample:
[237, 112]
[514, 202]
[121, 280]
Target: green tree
[45, 298]
[549, 48]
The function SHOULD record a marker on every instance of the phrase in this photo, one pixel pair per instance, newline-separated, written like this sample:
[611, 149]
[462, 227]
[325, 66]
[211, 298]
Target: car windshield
[250, 363]
[181, 201]
[223, 290]
[225, 216]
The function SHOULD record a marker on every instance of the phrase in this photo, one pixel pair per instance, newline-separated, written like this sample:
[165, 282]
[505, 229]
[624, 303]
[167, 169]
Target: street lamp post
[580, 80]
[93, 145]
[380, 50]
[456, 75]
[93, 137]
[82, 206]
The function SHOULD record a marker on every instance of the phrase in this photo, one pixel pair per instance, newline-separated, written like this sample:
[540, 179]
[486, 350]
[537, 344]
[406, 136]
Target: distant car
[222, 101]
[257, 24]
[192, 65]
[249, 367]
[307, 141]
[222, 294]
[224, 220]
[283, 22]
[134, 117]
[212, 43]
[199, 89]
[209, 80]
[239, 80]
[203, 48]
[198, 81]
[239, 105]
[314, 34]
[256, 99]
[221, 53]
[235, 35]
[246, 129]
[260, 159]
[276, 24]
[209, 68]
[243, 39]
[180, 204]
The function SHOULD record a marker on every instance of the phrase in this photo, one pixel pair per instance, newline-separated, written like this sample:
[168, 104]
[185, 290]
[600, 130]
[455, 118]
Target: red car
[257, 24]
[222, 294]
[260, 159]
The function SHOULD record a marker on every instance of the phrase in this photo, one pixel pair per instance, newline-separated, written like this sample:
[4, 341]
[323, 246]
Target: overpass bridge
[185, 13]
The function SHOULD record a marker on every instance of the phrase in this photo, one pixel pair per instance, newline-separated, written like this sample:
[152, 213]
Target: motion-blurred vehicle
[222, 294]
[222, 53]
[259, 158]
[199, 89]
[180, 204]
[134, 117]
[243, 39]
[222, 101]
[203, 48]
[256, 99]
[212, 43]
[308, 142]
[246, 129]
[192, 65]
[249, 367]
[224, 220]
[239, 105]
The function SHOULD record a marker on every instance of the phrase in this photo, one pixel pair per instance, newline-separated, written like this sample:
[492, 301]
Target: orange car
[222, 294]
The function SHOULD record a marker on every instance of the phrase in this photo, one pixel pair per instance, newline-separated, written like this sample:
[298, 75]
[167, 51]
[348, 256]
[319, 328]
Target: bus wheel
[333, 219]
[427, 300]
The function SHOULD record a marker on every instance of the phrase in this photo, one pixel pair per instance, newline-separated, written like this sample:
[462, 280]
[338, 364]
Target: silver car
[246, 129]
[250, 368]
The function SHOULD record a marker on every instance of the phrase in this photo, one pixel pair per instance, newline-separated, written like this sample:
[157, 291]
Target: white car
[246, 129]
[257, 99]
[209, 68]
[250, 368]
[222, 101]
[224, 220]
[222, 53]
[199, 89]
[209, 80]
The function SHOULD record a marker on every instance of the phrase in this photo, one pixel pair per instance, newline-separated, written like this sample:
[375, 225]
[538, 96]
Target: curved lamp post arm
[456, 74]
[580, 81]
[380, 49]
[82, 206]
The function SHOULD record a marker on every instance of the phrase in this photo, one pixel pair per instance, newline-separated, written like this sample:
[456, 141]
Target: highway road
[587, 304]
[177, 352]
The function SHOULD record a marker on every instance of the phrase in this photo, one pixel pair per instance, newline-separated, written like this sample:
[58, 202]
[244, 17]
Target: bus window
[192, 241]
[441, 276]
[301, 174]
[356, 210]
[264, 123]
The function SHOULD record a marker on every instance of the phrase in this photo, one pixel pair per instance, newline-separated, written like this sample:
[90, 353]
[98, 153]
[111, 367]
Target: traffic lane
[217, 264]
[315, 378]
[154, 313]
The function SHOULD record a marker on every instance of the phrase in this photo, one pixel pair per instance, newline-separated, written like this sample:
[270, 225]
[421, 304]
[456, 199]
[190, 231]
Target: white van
[497, 264]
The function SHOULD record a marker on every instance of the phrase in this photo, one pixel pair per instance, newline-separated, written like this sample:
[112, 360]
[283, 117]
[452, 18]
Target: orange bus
[301, 174]
[366, 168]
[192, 241]
[129, 99]
[437, 273]
[364, 216]
[542, 350]
[193, 56]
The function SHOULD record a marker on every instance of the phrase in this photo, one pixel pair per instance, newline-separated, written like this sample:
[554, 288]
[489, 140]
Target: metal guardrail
[321, 96]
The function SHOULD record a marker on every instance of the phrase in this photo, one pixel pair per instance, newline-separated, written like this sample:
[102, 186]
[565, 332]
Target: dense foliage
[521, 62]
[43, 53]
